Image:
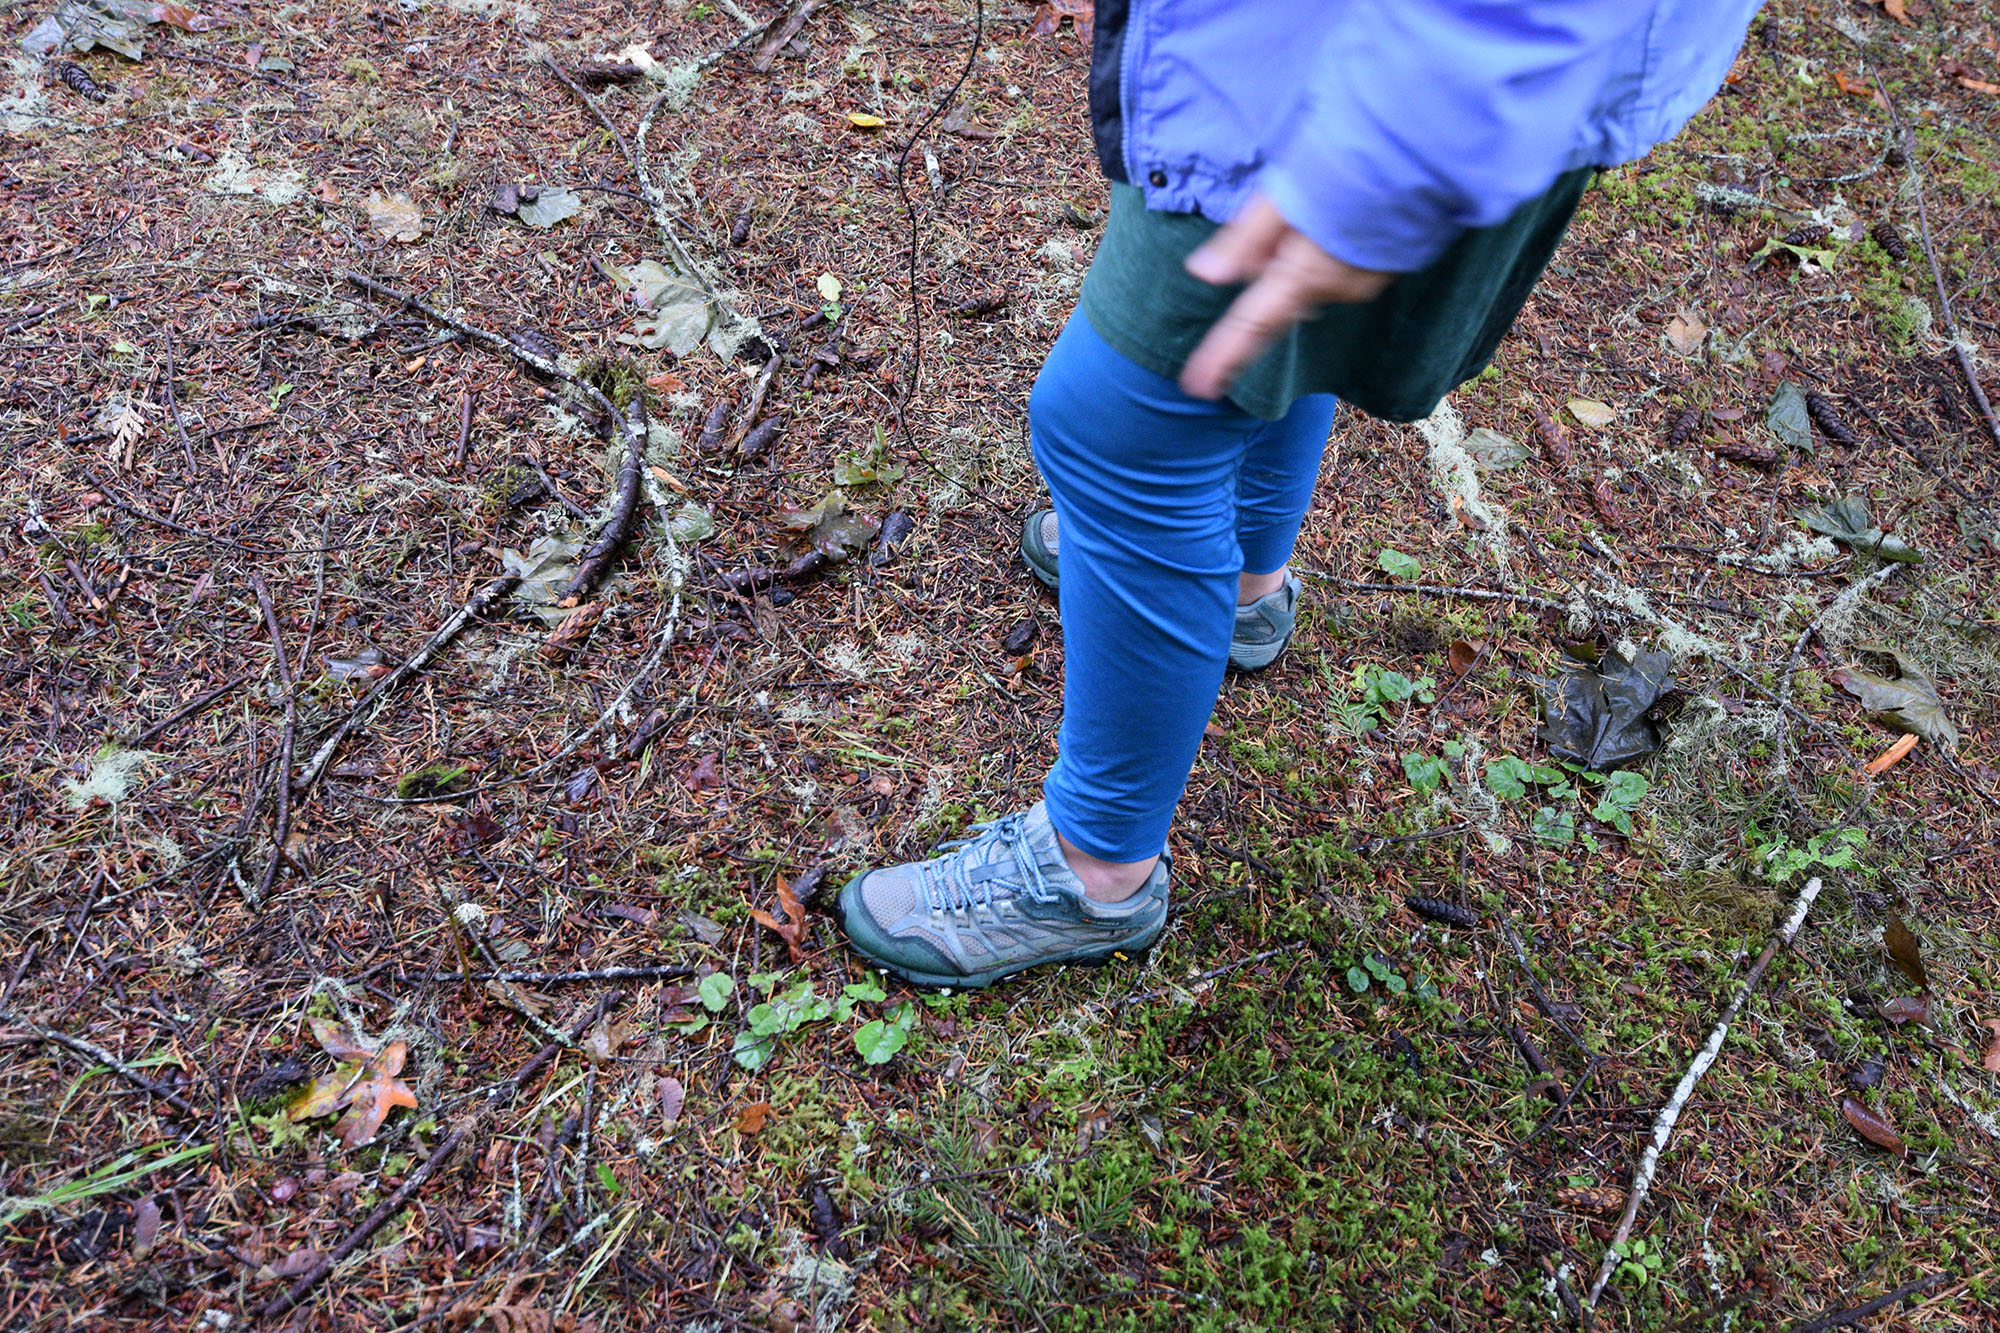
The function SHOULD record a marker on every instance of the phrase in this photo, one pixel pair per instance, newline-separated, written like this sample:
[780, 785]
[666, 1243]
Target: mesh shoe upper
[992, 904]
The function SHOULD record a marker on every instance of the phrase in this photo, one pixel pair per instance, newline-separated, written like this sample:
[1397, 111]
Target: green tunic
[1394, 357]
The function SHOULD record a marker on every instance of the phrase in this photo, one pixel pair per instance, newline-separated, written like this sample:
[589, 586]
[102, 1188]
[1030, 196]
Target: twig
[475, 606]
[1855, 1314]
[795, 18]
[174, 403]
[1958, 343]
[1438, 590]
[1663, 1127]
[104, 1057]
[549, 484]
[186, 710]
[596, 557]
[1215, 972]
[113, 499]
[393, 1205]
[466, 402]
[281, 824]
[756, 407]
[549, 978]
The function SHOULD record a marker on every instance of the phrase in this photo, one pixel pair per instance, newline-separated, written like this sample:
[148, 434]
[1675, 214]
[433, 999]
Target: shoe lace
[946, 883]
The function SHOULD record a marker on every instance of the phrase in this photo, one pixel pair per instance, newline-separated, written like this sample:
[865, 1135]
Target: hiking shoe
[995, 903]
[1038, 546]
[1263, 628]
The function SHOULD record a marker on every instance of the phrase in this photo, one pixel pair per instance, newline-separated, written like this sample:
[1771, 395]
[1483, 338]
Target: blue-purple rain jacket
[1384, 128]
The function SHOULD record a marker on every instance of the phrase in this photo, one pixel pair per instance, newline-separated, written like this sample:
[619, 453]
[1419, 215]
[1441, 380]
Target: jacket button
[1158, 178]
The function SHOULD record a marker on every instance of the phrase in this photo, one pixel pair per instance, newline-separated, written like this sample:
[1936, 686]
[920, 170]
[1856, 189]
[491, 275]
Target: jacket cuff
[1356, 220]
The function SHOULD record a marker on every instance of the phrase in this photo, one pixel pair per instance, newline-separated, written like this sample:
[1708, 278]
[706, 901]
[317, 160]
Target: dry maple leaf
[792, 930]
[364, 1085]
[1049, 17]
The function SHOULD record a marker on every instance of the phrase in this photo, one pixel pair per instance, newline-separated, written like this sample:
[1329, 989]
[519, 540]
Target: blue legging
[1162, 500]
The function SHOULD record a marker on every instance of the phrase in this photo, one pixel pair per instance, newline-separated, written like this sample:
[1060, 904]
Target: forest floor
[499, 1009]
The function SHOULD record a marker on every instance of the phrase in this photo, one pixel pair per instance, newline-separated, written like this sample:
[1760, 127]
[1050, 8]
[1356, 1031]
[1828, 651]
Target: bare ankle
[1252, 587]
[1106, 881]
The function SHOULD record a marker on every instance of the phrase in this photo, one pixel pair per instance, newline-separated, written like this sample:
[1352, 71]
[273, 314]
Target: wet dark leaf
[1847, 521]
[1904, 949]
[1021, 637]
[1905, 1009]
[1787, 418]
[896, 529]
[1595, 714]
[1873, 1127]
[1907, 700]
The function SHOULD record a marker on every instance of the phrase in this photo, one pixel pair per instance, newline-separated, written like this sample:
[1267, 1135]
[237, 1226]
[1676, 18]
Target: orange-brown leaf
[1990, 1061]
[792, 930]
[1873, 1127]
[751, 1119]
[326, 1094]
[1895, 10]
[374, 1097]
[1905, 951]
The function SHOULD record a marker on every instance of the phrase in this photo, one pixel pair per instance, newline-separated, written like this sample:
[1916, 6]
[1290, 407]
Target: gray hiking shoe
[1263, 628]
[998, 902]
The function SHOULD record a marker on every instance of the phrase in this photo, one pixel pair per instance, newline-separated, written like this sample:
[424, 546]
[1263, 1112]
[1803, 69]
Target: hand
[1290, 278]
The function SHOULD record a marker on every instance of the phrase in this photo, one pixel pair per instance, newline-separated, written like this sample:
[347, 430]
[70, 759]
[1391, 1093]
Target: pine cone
[1684, 428]
[1760, 456]
[78, 80]
[1890, 238]
[532, 341]
[569, 636]
[1554, 443]
[1828, 420]
[1808, 236]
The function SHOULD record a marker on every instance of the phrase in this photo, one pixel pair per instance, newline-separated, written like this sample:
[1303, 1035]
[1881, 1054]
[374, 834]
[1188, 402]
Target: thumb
[1240, 250]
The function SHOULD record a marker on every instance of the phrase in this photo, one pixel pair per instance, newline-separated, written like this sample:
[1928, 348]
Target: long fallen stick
[1663, 1127]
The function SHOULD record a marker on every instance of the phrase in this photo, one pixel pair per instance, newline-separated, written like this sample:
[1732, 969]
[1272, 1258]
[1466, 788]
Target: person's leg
[1144, 482]
[1274, 489]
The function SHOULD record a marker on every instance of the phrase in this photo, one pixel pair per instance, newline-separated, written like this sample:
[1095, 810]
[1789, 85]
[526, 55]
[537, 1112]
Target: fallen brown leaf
[1905, 1009]
[1905, 951]
[792, 930]
[1873, 1127]
[752, 1118]
[1464, 654]
[1990, 1061]
[378, 1093]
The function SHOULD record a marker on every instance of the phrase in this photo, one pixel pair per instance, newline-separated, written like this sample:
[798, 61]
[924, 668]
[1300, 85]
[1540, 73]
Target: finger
[1240, 250]
[1267, 308]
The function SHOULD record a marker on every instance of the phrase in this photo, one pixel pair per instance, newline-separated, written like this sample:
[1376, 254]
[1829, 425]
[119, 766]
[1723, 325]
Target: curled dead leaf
[1464, 654]
[1873, 1127]
[792, 929]
[1990, 1060]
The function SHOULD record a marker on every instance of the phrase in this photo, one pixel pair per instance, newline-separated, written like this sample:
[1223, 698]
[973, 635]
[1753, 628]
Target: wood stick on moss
[440, 1155]
[1663, 1127]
